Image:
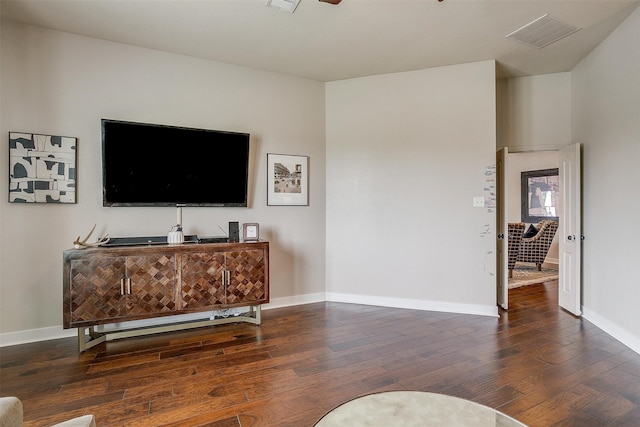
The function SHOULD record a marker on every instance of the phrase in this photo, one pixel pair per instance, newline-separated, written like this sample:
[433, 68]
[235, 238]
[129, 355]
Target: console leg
[252, 316]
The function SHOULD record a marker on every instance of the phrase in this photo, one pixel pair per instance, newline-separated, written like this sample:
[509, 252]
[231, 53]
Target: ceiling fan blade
[332, 1]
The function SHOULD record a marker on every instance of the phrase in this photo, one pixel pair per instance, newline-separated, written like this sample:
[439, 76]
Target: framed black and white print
[287, 180]
[42, 168]
[540, 195]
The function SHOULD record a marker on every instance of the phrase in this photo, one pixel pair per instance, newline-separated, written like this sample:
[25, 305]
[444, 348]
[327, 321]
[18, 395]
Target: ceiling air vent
[543, 31]
[284, 5]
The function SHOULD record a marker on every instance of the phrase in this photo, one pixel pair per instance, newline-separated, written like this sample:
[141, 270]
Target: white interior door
[570, 228]
[502, 273]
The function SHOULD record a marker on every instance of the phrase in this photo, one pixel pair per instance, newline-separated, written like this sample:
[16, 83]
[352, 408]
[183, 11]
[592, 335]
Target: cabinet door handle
[121, 286]
[226, 277]
[129, 285]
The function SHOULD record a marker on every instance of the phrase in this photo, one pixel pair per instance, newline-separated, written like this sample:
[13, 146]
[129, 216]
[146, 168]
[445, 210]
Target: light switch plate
[478, 202]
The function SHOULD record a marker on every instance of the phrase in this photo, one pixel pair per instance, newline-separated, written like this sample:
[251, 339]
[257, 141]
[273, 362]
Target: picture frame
[250, 232]
[540, 195]
[42, 168]
[287, 180]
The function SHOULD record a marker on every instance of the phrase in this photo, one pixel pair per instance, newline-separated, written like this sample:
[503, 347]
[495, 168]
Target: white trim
[56, 332]
[295, 300]
[413, 304]
[620, 334]
[532, 148]
[35, 335]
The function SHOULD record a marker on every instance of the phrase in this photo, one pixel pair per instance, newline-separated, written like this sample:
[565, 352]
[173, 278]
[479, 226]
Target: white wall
[606, 120]
[62, 84]
[529, 161]
[535, 112]
[406, 154]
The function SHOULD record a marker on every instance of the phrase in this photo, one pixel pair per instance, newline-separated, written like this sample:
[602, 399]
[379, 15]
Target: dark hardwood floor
[536, 363]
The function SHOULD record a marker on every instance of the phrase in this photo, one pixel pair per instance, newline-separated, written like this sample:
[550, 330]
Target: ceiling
[328, 42]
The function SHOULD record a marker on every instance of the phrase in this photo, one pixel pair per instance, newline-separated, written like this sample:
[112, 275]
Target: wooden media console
[108, 285]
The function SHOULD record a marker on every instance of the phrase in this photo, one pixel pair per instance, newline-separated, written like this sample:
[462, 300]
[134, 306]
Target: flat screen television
[157, 165]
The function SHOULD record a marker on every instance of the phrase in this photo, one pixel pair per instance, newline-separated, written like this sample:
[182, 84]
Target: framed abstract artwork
[42, 168]
[287, 180]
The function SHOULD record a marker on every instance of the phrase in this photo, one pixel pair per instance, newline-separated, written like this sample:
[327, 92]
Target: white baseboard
[295, 300]
[35, 335]
[56, 332]
[412, 304]
[620, 334]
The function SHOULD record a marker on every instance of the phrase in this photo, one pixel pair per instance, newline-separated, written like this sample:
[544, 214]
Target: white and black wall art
[42, 168]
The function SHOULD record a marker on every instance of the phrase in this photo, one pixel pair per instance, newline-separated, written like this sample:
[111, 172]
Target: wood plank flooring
[536, 363]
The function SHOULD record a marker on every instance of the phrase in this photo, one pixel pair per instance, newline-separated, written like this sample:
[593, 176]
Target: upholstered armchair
[534, 249]
[515, 230]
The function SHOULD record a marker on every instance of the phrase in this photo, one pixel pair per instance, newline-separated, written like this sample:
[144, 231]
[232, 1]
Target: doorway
[511, 193]
[569, 232]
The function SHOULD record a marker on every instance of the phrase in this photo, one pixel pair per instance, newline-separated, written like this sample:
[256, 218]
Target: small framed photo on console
[250, 232]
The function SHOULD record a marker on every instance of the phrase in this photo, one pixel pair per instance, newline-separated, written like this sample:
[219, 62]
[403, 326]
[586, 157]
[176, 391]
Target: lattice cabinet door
[150, 285]
[95, 289]
[202, 282]
[247, 276]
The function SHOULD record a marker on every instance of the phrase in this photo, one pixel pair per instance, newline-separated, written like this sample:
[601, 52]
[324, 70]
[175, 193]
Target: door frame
[502, 212]
[502, 224]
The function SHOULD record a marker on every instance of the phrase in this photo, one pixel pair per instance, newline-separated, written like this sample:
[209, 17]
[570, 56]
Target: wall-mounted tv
[158, 165]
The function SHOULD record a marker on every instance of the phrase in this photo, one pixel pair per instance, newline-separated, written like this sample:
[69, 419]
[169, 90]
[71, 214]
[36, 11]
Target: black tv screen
[157, 165]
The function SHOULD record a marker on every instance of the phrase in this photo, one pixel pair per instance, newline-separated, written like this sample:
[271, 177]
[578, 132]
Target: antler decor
[83, 243]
